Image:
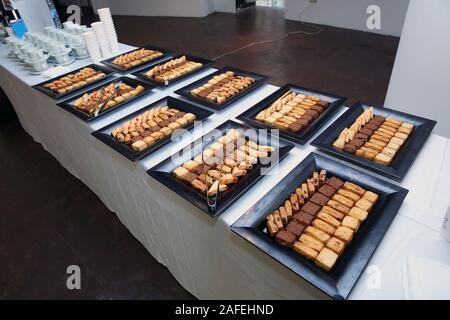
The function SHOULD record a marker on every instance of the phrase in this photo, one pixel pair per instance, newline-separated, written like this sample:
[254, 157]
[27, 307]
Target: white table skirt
[202, 253]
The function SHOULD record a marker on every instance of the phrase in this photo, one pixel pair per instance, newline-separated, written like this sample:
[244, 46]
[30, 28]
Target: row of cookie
[213, 170]
[146, 129]
[74, 81]
[173, 69]
[292, 112]
[136, 57]
[221, 87]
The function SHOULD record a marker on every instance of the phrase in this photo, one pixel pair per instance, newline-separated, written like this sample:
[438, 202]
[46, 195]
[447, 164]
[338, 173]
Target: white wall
[420, 80]
[225, 6]
[350, 14]
[35, 13]
[170, 8]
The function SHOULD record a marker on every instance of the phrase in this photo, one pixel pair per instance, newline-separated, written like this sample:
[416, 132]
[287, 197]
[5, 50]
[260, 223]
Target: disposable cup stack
[108, 23]
[92, 46]
[99, 29]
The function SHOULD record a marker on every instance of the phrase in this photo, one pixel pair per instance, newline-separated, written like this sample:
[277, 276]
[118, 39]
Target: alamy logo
[75, 13]
[374, 19]
[74, 278]
[374, 279]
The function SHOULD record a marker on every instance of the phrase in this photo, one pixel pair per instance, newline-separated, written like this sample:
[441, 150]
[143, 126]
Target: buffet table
[202, 253]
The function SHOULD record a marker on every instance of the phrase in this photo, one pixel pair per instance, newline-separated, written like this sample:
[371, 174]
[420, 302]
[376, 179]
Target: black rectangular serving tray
[186, 91]
[56, 96]
[343, 276]
[104, 134]
[109, 63]
[68, 104]
[335, 102]
[163, 171]
[404, 158]
[141, 73]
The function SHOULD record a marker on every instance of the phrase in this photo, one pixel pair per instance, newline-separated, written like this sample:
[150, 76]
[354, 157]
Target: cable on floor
[318, 30]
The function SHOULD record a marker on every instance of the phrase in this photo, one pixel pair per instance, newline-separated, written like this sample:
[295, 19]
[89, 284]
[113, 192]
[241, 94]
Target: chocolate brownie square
[155, 128]
[350, 148]
[189, 177]
[179, 114]
[164, 123]
[312, 113]
[307, 117]
[303, 218]
[311, 208]
[137, 138]
[317, 108]
[371, 126]
[357, 143]
[295, 228]
[295, 127]
[285, 238]
[335, 182]
[362, 136]
[322, 103]
[302, 121]
[319, 199]
[146, 133]
[327, 190]
[366, 131]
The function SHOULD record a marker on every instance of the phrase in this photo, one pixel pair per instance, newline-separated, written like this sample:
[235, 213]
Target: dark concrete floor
[50, 220]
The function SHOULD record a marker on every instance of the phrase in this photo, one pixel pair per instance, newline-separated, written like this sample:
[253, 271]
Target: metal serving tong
[212, 205]
[102, 105]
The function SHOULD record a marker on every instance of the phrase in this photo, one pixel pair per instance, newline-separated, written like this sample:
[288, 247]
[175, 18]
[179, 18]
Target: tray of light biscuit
[136, 58]
[222, 165]
[379, 139]
[74, 81]
[222, 87]
[102, 99]
[323, 221]
[146, 130]
[172, 70]
[296, 111]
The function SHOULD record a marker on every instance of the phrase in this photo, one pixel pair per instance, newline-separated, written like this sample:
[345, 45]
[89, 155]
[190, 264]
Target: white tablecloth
[202, 253]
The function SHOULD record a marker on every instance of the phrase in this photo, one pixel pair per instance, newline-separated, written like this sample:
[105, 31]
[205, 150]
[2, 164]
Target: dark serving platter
[163, 171]
[404, 157]
[335, 103]
[56, 96]
[186, 91]
[141, 73]
[343, 276]
[104, 134]
[109, 63]
[68, 104]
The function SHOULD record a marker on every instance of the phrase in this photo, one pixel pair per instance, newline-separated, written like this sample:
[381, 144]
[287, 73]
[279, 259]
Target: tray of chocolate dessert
[381, 140]
[74, 81]
[223, 87]
[105, 98]
[214, 171]
[141, 133]
[136, 58]
[296, 111]
[173, 69]
[323, 221]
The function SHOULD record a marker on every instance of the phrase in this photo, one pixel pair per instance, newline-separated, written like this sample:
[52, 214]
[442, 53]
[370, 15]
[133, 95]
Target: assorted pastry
[172, 69]
[136, 57]
[222, 87]
[374, 137]
[146, 129]
[222, 163]
[74, 81]
[106, 97]
[320, 218]
[292, 112]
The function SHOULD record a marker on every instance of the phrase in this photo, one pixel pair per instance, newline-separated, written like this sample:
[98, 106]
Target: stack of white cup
[106, 18]
[92, 46]
[99, 29]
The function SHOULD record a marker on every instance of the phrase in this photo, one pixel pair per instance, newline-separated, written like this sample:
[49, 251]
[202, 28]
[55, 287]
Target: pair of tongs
[212, 205]
[102, 105]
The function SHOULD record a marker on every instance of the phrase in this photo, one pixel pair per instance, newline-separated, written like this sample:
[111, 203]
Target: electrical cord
[284, 36]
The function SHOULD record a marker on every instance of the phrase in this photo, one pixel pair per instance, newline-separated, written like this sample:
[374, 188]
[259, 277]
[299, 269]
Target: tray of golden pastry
[136, 58]
[74, 81]
[297, 112]
[382, 140]
[214, 171]
[323, 221]
[222, 88]
[143, 132]
[173, 70]
[105, 98]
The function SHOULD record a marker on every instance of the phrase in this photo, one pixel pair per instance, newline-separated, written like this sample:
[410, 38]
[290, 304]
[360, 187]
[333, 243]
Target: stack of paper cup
[106, 18]
[102, 39]
[92, 46]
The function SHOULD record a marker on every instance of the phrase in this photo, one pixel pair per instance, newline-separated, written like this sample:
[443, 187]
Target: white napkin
[425, 279]
[56, 71]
